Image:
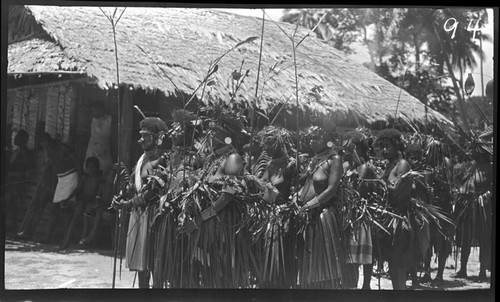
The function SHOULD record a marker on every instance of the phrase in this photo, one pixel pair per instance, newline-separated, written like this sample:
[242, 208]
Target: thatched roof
[38, 55]
[185, 41]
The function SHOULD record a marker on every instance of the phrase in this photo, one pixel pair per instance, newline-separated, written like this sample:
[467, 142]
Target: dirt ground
[32, 265]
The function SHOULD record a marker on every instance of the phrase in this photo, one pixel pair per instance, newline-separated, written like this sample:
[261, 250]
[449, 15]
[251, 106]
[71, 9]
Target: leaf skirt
[323, 258]
[473, 213]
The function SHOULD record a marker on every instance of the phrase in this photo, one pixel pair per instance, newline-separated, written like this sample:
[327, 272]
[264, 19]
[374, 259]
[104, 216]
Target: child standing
[94, 211]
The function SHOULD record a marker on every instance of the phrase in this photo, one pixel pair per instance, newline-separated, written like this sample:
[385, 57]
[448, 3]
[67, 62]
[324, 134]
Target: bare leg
[414, 278]
[56, 209]
[482, 266]
[86, 221]
[427, 267]
[398, 278]
[11, 201]
[9, 209]
[76, 216]
[35, 213]
[367, 275]
[441, 263]
[464, 258]
[143, 279]
[95, 225]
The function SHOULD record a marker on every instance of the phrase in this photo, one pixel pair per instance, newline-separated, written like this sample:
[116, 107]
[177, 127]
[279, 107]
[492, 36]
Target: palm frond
[432, 214]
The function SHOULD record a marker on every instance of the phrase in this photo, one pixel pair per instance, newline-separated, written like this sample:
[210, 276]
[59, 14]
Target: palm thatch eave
[184, 42]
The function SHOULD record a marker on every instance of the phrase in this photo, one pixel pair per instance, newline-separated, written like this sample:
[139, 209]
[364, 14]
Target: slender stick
[296, 100]
[313, 29]
[294, 47]
[115, 254]
[159, 67]
[252, 109]
[198, 113]
[481, 58]
[400, 90]
[119, 117]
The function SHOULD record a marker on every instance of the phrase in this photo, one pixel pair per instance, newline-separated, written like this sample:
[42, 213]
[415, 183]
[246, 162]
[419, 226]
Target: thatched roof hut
[185, 41]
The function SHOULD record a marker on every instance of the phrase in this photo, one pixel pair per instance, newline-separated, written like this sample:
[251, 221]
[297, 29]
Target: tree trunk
[370, 52]
[417, 53]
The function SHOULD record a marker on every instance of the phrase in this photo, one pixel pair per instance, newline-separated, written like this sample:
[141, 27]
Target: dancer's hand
[120, 204]
[189, 225]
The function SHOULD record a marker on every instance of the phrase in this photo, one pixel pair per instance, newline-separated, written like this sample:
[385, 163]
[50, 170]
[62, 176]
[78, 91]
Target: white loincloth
[67, 182]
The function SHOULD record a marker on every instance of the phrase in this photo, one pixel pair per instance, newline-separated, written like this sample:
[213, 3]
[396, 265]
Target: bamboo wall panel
[32, 116]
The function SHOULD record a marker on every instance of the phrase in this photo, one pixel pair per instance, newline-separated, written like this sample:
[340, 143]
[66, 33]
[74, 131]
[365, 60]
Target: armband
[208, 213]
[222, 150]
[313, 203]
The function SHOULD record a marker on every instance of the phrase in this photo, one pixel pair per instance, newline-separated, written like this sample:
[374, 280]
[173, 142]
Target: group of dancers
[225, 206]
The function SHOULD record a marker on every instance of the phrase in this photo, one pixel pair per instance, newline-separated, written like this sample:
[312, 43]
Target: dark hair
[46, 137]
[22, 134]
[153, 124]
[361, 142]
[415, 149]
[315, 133]
[93, 160]
[279, 138]
[393, 136]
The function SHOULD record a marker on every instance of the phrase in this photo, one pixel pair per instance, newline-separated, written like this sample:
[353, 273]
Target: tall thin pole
[252, 109]
[481, 58]
[297, 110]
[117, 89]
[117, 217]
[119, 117]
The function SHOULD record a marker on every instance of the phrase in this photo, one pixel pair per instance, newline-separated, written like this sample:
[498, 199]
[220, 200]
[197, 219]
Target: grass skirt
[279, 245]
[473, 213]
[323, 259]
[136, 253]
[220, 251]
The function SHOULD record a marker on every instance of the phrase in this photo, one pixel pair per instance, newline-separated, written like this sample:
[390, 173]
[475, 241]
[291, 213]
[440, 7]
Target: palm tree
[457, 52]
[387, 31]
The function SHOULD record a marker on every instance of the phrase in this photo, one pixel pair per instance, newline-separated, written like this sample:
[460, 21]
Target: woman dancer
[473, 209]
[279, 239]
[214, 212]
[323, 261]
[355, 149]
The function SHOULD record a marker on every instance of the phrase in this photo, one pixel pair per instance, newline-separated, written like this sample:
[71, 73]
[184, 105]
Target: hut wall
[126, 129]
[41, 109]
[63, 111]
[37, 109]
[41, 229]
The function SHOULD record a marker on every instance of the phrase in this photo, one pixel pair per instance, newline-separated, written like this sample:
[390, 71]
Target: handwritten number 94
[451, 25]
